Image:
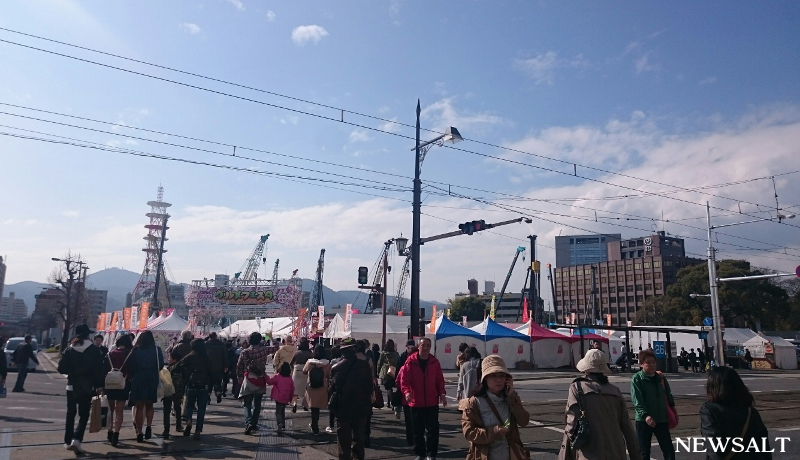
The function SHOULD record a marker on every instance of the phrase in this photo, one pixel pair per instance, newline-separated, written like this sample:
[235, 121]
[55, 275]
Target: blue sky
[685, 94]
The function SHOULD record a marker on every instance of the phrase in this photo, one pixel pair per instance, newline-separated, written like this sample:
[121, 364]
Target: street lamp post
[452, 135]
[719, 353]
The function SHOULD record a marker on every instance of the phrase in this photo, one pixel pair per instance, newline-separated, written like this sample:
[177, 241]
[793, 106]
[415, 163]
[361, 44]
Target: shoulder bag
[516, 450]
[114, 379]
[579, 434]
[672, 414]
[744, 431]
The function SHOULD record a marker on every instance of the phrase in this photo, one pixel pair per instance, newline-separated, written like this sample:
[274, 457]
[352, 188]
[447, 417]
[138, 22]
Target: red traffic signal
[469, 228]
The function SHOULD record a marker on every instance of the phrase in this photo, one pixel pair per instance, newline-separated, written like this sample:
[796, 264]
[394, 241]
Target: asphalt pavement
[31, 423]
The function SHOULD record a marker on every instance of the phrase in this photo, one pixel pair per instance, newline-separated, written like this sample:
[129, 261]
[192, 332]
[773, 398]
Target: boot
[115, 439]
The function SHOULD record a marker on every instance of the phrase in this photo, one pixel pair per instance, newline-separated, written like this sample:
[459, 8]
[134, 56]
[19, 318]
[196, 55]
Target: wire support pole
[719, 352]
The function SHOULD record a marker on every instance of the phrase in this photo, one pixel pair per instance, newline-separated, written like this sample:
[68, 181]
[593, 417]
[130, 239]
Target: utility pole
[385, 292]
[594, 298]
[719, 352]
[553, 294]
[415, 239]
[533, 297]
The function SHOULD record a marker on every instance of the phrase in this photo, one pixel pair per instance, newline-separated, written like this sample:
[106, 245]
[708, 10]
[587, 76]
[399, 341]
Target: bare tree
[71, 301]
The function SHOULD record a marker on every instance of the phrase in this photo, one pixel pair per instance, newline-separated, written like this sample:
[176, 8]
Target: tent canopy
[172, 322]
[586, 335]
[446, 328]
[335, 329]
[539, 333]
[735, 335]
[490, 330]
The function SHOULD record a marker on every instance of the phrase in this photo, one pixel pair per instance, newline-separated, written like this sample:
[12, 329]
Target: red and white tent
[549, 348]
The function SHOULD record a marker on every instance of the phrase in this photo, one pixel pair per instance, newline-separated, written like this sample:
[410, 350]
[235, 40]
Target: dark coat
[81, 365]
[184, 347]
[144, 365]
[217, 356]
[197, 365]
[23, 353]
[353, 382]
[717, 420]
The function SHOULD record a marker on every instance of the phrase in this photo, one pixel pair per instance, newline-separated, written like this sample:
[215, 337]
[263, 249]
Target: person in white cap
[611, 434]
[491, 418]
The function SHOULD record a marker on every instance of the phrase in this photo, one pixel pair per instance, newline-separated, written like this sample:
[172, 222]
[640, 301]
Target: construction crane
[249, 271]
[399, 301]
[520, 249]
[317, 298]
[275, 273]
[374, 300]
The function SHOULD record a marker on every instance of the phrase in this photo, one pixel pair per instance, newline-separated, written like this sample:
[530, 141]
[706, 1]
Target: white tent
[369, 327]
[335, 329]
[448, 336]
[779, 350]
[508, 343]
[245, 327]
[550, 349]
[166, 329]
[614, 345]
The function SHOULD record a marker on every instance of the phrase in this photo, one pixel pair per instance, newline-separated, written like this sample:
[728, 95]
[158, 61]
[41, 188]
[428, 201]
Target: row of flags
[125, 319]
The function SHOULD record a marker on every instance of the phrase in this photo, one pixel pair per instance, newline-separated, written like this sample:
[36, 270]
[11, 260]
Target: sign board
[660, 347]
[706, 328]
[797, 271]
[703, 335]
[708, 322]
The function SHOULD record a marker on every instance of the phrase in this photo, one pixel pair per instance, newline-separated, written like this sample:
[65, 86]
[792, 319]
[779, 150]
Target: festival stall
[448, 336]
[166, 328]
[335, 329]
[549, 349]
[499, 340]
[780, 351]
[245, 327]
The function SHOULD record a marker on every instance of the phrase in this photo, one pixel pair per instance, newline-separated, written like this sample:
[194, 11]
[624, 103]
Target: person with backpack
[251, 375]
[469, 376]
[610, 434]
[80, 363]
[318, 370]
[352, 400]
[196, 369]
[145, 362]
[490, 419]
[174, 401]
[117, 360]
[282, 393]
[387, 373]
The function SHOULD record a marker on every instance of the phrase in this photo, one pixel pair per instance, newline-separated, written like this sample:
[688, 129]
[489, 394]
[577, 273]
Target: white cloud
[359, 135]
[542, 67]
[304, 34]
[443, 113]
[190, 28]
[707, 81]
[390, 126]
[70, 213]
[237, 4]
[643, 64]
[270, 15]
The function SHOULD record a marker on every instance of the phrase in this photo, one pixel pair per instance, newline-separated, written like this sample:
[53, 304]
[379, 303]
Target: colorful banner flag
[126, 319]
[107, 319]
[114, 321]
[144, 313]
[525, 317]
[491, 311]
[321, 317]
[432, 327]
[348, 318]
[298, 326]
[100, 322]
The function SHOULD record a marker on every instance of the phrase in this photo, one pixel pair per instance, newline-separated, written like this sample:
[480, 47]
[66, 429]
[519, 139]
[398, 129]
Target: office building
[97, 305]
[13, 309]
[583, 249]
[2, 276]
[488, 287]
[636, 270]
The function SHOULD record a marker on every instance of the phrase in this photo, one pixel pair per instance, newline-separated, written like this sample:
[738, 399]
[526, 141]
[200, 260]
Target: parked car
[12, 345]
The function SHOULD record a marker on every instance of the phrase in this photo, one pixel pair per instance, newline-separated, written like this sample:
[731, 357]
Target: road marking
[756, 391]
[558, 430]
[5, 443]
[788, 429]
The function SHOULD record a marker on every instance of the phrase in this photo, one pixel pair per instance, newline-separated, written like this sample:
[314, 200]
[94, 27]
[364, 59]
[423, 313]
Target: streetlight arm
[458, 232]
[755, 277]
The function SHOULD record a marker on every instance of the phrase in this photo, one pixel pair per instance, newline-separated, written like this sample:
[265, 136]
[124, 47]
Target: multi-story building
[2, 276]
[13, 309]
[583, 249]
[97, 305]
[505, 310]
[636, 270]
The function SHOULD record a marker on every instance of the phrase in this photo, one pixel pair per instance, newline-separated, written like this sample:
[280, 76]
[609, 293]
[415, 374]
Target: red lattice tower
[144, 288]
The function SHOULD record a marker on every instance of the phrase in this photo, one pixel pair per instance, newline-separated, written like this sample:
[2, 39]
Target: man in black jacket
[22, 356]
[353, 400]
[218, 357]
[3, 365]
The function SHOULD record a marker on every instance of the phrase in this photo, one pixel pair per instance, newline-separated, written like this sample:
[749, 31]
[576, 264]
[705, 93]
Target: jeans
[199, 396]
[280, 414]
[315, 420]
[217, 385]
[22, 373]
[80, 407]
[645, 435]
[251, 415]
[351, 432]
[171, 402]
[426, 425]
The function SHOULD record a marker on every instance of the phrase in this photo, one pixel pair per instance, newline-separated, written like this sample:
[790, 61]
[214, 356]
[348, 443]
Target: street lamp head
[452, 135]
[401, 244]
[785, 216]
[694, 296]
[56, 259]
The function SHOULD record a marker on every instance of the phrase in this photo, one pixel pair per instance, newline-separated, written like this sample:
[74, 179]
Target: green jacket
[647, 397]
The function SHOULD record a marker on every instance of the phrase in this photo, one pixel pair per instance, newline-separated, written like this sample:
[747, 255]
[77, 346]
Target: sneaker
[397, 415]
[188, 430]
[219, 398]
[196, 436]
[165, 435]
[294, 408]
[248, 429]
[313, 430]
[328, 429]
[66, 446]
[76, 447]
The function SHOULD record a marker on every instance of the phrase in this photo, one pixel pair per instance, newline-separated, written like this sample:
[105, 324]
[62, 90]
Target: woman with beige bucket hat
[491, 418]
[611, 435]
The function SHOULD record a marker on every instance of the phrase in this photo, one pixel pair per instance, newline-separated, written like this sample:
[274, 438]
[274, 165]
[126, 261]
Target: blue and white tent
[448, 337]
[511, 345]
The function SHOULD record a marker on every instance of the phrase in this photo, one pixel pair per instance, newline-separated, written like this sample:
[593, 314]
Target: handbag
[96, 416]
[579, 434]
[672, 414]
[165, 377]
[114, 379]
[516, 450]
[377, 397]
[162, 383]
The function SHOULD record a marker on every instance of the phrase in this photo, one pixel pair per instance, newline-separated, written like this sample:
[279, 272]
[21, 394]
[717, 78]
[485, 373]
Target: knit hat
[594, 362]
[493, 364]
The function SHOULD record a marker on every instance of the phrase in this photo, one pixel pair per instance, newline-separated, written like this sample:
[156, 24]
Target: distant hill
[118, 282]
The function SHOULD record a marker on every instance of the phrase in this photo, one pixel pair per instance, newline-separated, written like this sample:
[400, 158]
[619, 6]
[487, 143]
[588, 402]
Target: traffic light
[468, 228]
[363, 275]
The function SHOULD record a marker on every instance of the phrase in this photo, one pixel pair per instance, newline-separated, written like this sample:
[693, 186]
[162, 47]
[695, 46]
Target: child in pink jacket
[282, 393]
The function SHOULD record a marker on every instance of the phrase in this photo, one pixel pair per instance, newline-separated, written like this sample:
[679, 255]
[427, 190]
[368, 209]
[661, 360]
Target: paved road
[31, 423]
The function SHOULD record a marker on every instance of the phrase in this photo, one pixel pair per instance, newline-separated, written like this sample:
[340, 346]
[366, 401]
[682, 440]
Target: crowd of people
[346, 380]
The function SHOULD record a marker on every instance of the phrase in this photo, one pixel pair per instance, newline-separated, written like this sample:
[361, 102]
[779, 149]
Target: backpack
[316, 377]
